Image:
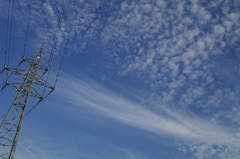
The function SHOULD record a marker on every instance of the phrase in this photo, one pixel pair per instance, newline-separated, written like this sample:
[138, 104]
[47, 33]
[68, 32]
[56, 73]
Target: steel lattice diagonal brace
[11, 124]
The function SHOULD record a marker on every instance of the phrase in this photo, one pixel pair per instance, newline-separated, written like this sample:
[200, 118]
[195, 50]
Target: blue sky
[140, 80]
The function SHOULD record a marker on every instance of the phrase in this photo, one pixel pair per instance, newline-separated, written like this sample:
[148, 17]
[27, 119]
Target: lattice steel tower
[11, 124]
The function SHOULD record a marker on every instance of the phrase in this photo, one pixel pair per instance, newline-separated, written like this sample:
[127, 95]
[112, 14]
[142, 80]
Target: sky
[141, 79]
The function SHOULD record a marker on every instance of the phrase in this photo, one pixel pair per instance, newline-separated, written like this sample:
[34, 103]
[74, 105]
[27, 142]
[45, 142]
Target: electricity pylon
[12, 123]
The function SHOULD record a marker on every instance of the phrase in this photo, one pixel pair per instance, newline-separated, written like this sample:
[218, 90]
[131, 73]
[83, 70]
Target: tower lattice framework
[11, 124]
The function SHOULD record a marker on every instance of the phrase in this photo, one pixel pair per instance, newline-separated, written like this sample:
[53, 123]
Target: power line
[8, 37]
[25, 43]
[64, 52]
[3, 115]
[10, 34]
[57, 32]
[65, 48]
[52, 52]
[6, 42]
[55, 38]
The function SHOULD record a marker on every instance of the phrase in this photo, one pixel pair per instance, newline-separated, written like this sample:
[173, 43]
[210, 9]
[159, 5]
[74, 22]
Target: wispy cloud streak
[89, 94]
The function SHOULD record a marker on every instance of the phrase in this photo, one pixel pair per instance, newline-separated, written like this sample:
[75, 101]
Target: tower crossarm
[23, 74]
[18, 72]
[40, 81]
[17, 87]
[41, 67]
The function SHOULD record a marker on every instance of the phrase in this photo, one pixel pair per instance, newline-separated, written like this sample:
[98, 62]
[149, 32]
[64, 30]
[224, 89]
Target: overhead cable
[64, 52]
[52, 51]
[55, 40]
[65, 48]
[10, 34]
[6, 42]
[25, 43]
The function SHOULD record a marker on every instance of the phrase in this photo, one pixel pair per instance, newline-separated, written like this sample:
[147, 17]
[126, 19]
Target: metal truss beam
[11, 125]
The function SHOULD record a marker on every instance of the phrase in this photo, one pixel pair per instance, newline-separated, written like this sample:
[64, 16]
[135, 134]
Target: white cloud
[183, 149]
[194, 1]
[201, 45]
[88, 94]
[209, 79]
[30, 149]
[49, 9]
[234, 17]
[218, 29]
[205, 151]
[187, 70]
[130, 154]
[228, 24]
